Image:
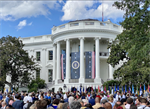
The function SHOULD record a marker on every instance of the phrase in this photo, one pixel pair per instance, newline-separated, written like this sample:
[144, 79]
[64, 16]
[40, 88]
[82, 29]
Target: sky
[26, 18]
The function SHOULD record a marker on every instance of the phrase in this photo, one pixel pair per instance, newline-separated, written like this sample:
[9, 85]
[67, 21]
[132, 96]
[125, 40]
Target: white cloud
[74, 10]
[20, 9]
[22, 24]
[30, 23]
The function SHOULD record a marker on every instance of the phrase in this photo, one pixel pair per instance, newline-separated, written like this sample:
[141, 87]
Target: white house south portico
[75, 53]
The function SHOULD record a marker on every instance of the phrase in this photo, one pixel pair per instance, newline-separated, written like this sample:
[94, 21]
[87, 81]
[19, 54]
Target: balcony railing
[100, 54]
[104, 53]
[87, 24]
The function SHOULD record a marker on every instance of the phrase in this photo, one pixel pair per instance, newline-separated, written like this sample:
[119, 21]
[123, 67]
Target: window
[89, 23]
[38, 74]
[38, 56]
[74, 24]
[50, 55]
[102, 24]
[79, 48]
[63, 52]
[50, 75]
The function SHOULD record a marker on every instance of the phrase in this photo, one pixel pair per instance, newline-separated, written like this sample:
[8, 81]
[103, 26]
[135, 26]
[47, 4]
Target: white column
[44, 74]
[82, 74]
[54, 62]
[58, 62]
[67, 61]
[110, 69]
[97, 78]
[31, 53]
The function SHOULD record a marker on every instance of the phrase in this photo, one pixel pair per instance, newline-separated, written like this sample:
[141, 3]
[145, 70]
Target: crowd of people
[73, 100]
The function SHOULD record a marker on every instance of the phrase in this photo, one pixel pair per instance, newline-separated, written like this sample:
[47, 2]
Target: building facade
[74, 54]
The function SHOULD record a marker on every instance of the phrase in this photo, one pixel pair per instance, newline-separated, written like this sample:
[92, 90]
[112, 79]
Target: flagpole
[102, 11]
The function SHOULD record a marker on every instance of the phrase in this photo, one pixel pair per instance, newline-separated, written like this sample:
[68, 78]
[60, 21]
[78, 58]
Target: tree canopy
[36, 84]
[132, 46]
[15, 62]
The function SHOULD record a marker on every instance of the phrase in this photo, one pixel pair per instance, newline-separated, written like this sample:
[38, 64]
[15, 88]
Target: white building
[83, 44]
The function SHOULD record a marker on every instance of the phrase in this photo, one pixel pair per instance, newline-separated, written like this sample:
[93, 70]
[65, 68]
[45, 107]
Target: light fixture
[64, 86]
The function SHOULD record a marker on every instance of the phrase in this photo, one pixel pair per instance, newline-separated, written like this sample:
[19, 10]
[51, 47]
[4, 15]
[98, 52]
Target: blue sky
[34, 18]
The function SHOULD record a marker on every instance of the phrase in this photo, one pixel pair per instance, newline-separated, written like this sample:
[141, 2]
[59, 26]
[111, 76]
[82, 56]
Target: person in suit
[1, 96]
[18, 104]
[92, 100]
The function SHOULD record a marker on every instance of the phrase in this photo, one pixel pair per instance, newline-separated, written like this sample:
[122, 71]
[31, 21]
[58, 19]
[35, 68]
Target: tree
[15, 62]
[36, 84]
[132, 46]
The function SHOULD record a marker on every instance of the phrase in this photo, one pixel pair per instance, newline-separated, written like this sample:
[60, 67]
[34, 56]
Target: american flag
[63, 65]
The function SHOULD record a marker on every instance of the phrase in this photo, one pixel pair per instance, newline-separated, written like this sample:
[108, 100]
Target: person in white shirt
[25, 99]
[118, 96]
[26, 105]
[143, 102]
[65, 96]
[30, 98]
